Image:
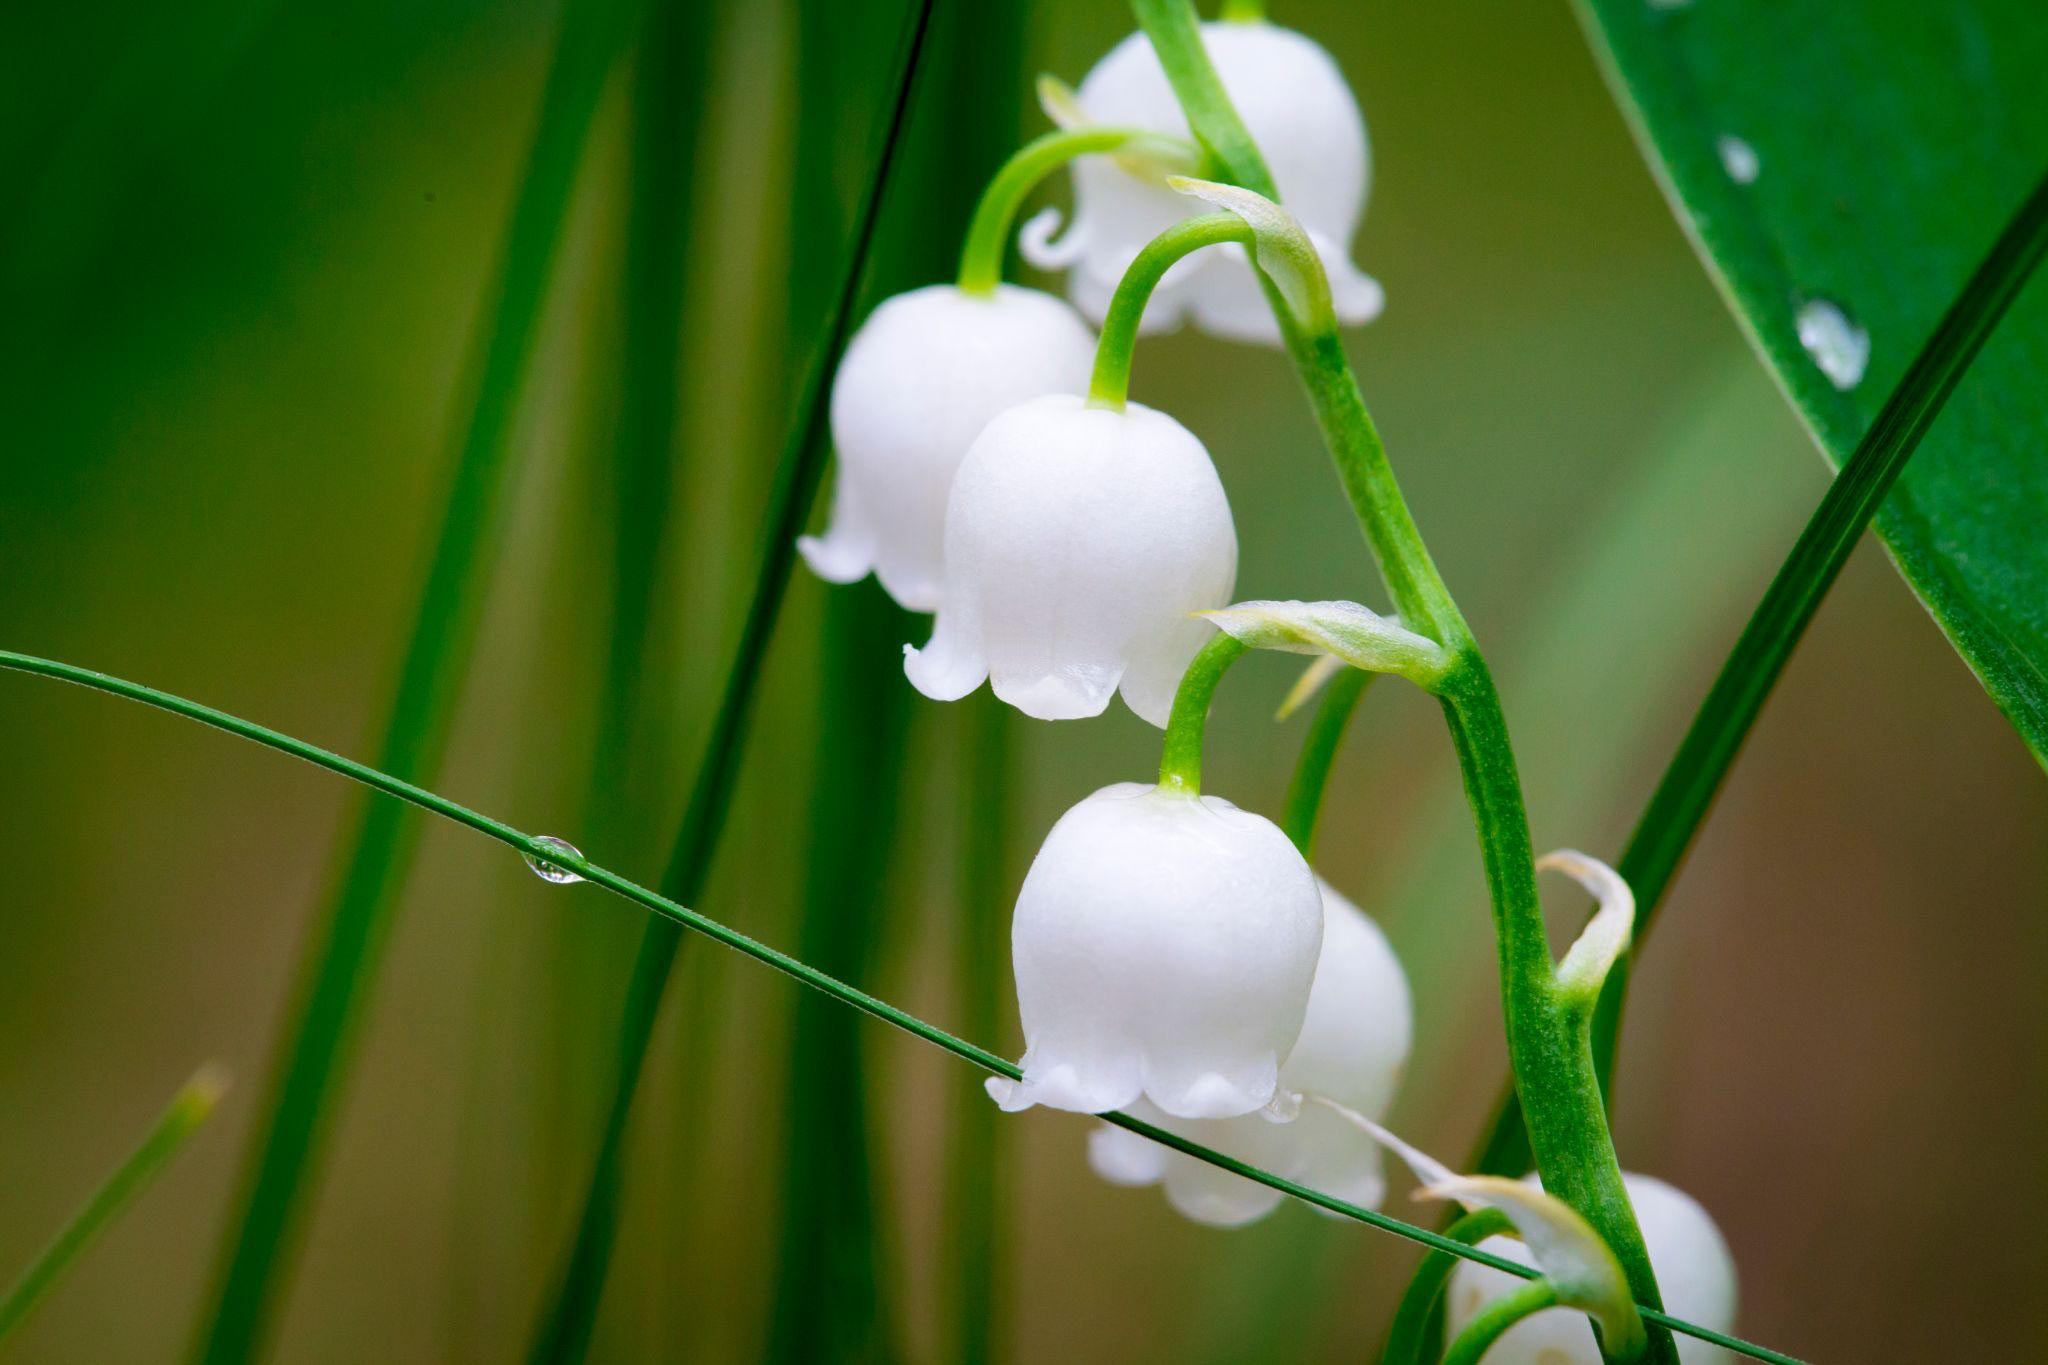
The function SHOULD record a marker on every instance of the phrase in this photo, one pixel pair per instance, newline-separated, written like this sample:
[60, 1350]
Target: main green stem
[1547, 1045]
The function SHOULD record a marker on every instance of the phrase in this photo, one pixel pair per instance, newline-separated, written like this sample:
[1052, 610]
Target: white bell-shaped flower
[1295, 104]
[1079, 541]
[1354, 1043]
[1695, 1275]
[1164, 945]
[920, 379]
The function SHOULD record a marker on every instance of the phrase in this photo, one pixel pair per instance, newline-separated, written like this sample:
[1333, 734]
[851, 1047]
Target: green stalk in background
[343, 954]
[829, 1301]
[1418, 1322]
[188, 1109]
[632, 463]
[667, 109]
[833, 1248]
[538, 849]
[1553, 1062]
[976, 1185]
[1686, 791]
[565, 1326]
[1318, 753]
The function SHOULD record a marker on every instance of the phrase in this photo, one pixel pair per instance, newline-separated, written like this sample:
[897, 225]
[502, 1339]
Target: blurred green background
[244, 252]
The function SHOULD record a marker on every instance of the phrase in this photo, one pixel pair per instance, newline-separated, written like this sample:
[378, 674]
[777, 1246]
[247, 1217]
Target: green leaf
[1889, 143]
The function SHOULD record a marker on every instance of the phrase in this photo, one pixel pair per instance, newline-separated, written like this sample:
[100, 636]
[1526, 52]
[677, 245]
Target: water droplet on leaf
[547, 871]
[1739, 159]
[1838, 345]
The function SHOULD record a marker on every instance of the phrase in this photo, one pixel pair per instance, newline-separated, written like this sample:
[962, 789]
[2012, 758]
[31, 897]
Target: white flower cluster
[1175, 956]
[1063, 547]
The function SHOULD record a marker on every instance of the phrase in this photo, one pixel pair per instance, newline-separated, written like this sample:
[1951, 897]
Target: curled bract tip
[209, 1083]
[1427, 1168]
[1039, 242]
[1605, 938]
[1280, 245]
[1060, 102]
[1320, 670]
[1581, 1267]
[1353, 634]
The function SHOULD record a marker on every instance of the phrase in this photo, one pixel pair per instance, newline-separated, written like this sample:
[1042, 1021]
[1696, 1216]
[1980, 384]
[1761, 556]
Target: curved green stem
[1547, 1044]
[1110, 385]
[1318, 752]
[1180, 757]
[988, 232]
[1417, 1322]
[1495, 1319]
[683, 917]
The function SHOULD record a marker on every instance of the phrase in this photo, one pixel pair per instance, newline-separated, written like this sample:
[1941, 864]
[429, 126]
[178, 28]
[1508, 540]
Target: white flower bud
[920, 379]
[1295, 104]
[1695, 1275]
[1079, 541]
[1164, 946]
[1353, 1046]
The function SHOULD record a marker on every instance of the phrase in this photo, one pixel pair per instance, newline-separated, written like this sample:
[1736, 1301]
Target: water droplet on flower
[1739, 159]
[547, 871]
[1839, 346]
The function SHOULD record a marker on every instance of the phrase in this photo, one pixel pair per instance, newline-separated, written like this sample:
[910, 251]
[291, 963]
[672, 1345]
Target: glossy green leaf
[1861, 159]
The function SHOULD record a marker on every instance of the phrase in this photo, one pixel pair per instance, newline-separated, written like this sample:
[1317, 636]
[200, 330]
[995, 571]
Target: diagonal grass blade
[538, 848]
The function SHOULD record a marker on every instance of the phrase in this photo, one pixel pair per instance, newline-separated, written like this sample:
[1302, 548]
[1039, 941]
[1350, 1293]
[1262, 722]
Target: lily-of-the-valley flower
[1695, 1274]
[924, 374]
[1301, 113]
[1079, 542]
[1164, 946]
[1354, 1043]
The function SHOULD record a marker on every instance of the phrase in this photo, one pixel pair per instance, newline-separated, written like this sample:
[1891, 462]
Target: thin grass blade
[829, 1299]
[683, 917]
[189, 1108]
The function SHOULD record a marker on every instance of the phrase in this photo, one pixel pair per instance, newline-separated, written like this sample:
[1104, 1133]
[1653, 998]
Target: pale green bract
[1353, 634]
[1280, 245]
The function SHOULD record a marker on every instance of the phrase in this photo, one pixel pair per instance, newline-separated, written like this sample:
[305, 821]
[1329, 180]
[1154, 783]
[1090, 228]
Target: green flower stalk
[1548, 1042]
